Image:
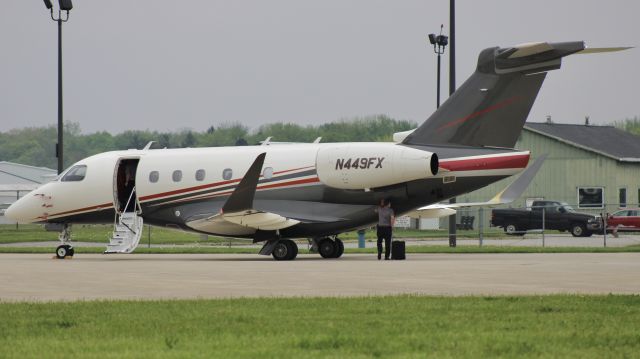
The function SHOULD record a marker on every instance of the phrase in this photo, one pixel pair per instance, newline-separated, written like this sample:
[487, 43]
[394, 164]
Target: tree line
[36, 145]
[631, 125]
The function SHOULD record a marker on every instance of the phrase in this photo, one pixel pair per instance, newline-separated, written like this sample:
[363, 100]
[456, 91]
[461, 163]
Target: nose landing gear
[65, 249]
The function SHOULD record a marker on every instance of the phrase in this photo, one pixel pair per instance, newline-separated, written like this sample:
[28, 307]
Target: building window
[227, 174]
[622, 197]
[154, 176]
[75, 174]
[176, 176]
[591, 197]
[268, 172]
[200, 174]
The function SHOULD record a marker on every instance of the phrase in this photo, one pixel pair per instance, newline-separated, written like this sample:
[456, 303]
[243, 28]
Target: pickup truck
[557, 216]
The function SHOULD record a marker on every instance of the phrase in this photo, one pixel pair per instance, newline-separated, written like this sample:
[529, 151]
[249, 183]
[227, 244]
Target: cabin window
[268, 172]
[75, 174]
[176, 176]
[200, 174]
[622, 197]
[227, 174]
[154, 176]
[591, 197]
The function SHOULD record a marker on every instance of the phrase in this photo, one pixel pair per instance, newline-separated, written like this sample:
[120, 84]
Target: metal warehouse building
[17, 180]
[596, 169]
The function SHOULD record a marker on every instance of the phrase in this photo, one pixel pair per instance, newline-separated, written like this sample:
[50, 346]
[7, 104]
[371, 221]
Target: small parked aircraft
[275, 192]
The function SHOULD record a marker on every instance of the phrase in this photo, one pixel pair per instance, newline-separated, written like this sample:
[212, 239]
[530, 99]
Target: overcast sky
[152, 65]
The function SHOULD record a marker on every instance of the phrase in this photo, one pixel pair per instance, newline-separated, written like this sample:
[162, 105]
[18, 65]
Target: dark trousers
[384, 232]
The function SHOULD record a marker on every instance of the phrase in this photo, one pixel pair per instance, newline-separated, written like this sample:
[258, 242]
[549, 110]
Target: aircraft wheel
[285, 250]
[293, 249]
[72, 251]
[63, 251]
[339, 248]
[281, 251]
[327, 248]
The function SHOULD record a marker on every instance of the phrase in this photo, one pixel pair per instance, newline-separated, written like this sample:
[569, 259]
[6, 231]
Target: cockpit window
[75, 174]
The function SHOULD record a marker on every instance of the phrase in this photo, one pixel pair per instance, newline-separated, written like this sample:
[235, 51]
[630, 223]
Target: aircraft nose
[12, 212]
[23, 210]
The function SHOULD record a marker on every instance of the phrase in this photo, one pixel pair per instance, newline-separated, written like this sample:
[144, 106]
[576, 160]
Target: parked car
[557, 216]
[627, 220]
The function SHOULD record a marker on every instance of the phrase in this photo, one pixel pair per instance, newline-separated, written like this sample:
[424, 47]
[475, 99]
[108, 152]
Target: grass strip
[564, 326]
[101, 234]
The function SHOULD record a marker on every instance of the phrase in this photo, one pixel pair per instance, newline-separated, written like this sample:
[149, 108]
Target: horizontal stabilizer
[506, 196]
[597, 50]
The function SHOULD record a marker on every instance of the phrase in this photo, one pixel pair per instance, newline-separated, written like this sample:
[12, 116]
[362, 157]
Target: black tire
[293, 249]
[339, 249]
[281, 251]
[71, 251]
[62, 251]
[578, 230]
[327, 248]
[513, 230]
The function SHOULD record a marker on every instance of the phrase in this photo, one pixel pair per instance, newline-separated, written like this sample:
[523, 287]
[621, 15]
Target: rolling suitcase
[397, 250]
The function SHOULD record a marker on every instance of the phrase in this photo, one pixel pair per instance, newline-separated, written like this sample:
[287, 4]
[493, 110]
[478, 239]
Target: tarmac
[38, 277]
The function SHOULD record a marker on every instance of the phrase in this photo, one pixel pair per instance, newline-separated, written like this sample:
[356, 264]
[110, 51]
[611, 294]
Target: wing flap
[265, 221]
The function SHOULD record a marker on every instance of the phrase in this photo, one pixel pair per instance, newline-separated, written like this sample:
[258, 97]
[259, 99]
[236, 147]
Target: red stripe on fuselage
[268, 186]
[205, 186]
[486, 163]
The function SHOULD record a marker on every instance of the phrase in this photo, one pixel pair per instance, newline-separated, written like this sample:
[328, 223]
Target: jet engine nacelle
[372, 165]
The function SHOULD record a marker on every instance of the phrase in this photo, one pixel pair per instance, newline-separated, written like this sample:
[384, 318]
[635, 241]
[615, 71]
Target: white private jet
[274, 193]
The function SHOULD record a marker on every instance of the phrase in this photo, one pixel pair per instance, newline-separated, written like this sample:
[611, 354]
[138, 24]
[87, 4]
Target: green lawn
[101, 233]
[399, 326]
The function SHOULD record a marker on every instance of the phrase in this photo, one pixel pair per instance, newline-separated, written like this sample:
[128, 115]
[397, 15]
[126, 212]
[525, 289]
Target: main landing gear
[65, 249]
[327, 247]
[286, 249]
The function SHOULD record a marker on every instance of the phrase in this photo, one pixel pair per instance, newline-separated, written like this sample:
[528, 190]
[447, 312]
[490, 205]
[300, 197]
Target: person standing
[386, 220]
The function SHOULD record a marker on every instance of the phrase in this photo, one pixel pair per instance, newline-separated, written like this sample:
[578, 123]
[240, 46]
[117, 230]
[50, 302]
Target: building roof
[16, 173]
[604, 140]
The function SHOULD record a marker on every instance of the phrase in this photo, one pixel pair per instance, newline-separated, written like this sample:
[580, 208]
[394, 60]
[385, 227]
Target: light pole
[452, 89]
[63, 5]
[439, 43]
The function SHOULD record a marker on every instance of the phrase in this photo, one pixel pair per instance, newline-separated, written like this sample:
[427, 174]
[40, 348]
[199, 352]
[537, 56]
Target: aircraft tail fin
[491, 107]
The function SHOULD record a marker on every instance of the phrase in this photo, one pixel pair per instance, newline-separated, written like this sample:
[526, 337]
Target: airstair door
[128, 225]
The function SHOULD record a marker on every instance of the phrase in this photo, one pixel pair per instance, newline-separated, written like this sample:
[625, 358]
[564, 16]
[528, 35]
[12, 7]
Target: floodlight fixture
[432, 37]
[65, 5]
[48, 4]
[442, 40]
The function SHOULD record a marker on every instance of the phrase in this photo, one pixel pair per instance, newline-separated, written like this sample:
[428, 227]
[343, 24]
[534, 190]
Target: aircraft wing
[506, 196]
[238, 215]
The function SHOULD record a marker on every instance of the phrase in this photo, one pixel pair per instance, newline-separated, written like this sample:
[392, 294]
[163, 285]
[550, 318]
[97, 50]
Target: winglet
[517, 188]
[242, 197]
